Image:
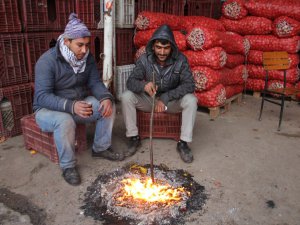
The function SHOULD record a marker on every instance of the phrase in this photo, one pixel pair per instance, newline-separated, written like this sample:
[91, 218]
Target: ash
[101, 198]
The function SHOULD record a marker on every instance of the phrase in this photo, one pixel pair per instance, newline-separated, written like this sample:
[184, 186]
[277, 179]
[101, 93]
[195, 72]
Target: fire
[145, 190]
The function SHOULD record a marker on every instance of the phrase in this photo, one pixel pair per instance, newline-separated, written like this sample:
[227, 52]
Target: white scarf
[77, 65]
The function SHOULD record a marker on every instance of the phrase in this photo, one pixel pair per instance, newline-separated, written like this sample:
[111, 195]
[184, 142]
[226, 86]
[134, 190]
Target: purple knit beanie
[76, 28]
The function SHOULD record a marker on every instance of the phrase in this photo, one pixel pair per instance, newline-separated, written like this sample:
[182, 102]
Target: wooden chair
[277, 61]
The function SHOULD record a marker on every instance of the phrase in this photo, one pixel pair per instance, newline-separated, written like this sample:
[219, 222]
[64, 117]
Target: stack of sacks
[271, 25]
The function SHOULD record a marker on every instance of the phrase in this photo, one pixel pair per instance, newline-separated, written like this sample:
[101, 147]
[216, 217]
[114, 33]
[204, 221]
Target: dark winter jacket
[174, 80]
[57, 87]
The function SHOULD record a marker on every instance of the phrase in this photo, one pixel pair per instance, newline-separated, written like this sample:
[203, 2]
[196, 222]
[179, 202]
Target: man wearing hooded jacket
[174, 86]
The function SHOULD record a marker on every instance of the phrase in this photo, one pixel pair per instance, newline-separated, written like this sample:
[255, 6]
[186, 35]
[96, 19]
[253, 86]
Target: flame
[150, 192]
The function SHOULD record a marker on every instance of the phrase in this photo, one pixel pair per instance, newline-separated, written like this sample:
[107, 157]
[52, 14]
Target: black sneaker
[185, 152]
[133, 144]
[71, 176]
[108, 154]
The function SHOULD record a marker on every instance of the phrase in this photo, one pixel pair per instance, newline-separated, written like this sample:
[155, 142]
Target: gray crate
[122, 74]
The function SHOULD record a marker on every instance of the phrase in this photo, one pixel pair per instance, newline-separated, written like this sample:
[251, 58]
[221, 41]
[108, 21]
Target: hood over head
[163, 32]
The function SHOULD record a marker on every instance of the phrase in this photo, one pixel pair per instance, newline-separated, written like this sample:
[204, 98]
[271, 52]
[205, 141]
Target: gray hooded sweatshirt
[174, 79]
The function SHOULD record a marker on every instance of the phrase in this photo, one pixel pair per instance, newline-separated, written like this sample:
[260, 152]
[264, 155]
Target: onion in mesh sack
[152, 20]
[275, 84]
[255, 84]
[201, 38]
[272, 43]
[256, 57]
[205, 78]
[237, 75]
[248, 25]
[234, 9]
[212, 98]
[241, 44]
[285, 26]
[214, 58]
[258, 72]
[140, 52]
[142, 37]
[274, 8]
[189, 22]
[232, 90]
[234, 60]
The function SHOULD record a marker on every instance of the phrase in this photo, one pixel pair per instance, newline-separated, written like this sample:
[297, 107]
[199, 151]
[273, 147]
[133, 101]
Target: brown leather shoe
[108, 154]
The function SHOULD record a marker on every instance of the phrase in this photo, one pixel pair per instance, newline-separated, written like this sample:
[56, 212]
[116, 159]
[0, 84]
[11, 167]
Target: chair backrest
[276, 60]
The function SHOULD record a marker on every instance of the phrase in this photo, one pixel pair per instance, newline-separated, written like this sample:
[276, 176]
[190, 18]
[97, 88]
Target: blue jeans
[63, 127]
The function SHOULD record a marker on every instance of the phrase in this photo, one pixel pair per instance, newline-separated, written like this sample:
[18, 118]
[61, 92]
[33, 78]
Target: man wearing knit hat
[64, 78]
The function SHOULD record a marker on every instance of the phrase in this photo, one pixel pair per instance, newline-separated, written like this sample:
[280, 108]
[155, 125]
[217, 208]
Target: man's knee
[189, 100]
[127, 96]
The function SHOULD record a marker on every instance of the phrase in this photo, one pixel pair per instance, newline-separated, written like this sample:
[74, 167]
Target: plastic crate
[124, 16]
[10, 20]
[88, 12]
[165, 125]
[96, 47]
[43, 142]
[20, 98]
[208, 8]
[44, 15]
[36, 45]
[175, 7]
[13, 68]
[63, 10]
[124, 47]
[121, 77]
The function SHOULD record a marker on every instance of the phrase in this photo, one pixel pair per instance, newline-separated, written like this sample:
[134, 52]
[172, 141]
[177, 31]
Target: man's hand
[105, 108]
[150, 88]
[160, 106]
[83, 109]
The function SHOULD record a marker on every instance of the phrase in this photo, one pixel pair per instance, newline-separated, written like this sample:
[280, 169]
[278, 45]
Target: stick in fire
[151, 130]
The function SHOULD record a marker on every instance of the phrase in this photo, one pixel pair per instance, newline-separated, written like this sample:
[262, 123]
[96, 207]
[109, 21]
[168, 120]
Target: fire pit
[128, 196]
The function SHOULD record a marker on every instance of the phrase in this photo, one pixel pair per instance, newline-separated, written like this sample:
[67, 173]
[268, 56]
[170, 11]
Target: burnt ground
[22, 205]
[249, 170]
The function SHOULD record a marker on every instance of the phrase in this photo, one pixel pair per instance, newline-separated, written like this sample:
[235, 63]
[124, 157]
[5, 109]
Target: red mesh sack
[273, 84]
[212, 98]
[189, 22]
[256, 57]
[232, 90]
[234, 9]
[284, 26]
[152, 20]
[214, 58]
[258, 72]
[234, 60]
[248, 25]
[298, 95]
[272, 43]
[237, 75]
[142, 37]
[205, 78]
[274, 8]
[255, 84]
[140, 52]
[241, 45]
[201, 38]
